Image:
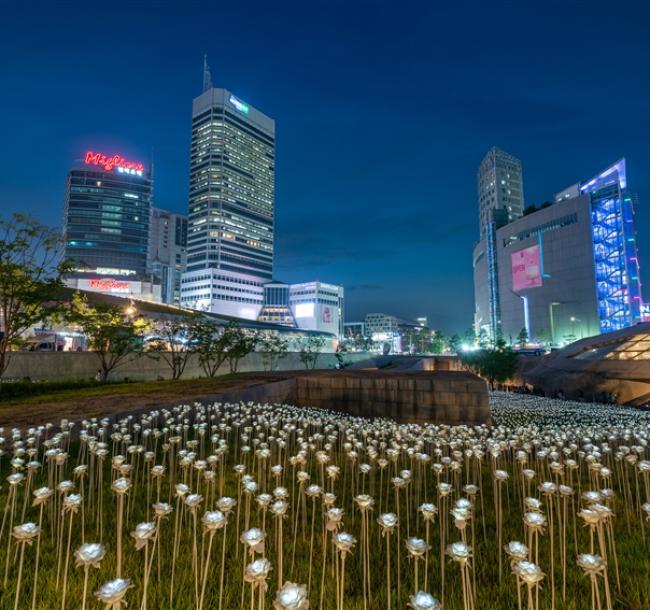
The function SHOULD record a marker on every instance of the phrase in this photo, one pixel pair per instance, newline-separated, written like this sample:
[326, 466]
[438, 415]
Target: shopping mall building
[566, 271]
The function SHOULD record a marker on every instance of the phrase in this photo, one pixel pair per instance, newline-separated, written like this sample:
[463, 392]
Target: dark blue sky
[383, 112]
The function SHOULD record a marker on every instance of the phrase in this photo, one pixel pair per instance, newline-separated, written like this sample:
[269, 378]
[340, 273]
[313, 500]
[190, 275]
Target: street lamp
[550, 315]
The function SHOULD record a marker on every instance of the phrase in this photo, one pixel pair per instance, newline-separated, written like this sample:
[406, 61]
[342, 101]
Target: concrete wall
[423, 397]
[568, 263]
[83, 365]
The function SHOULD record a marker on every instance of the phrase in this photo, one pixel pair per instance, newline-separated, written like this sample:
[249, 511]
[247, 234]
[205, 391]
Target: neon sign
[239, 105]
[114, 162]
[109, 285]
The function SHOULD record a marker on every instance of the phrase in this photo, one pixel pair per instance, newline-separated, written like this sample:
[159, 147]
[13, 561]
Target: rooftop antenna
[207, 79]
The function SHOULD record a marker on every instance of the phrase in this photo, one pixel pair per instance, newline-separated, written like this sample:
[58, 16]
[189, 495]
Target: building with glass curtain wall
[231, 206]
[107, 212]
[500, 201]
[167, 252]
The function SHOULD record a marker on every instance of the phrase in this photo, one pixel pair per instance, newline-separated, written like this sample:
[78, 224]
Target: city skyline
[342, 172]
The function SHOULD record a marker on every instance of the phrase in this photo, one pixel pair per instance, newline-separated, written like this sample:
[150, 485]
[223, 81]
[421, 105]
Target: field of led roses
[229, 506]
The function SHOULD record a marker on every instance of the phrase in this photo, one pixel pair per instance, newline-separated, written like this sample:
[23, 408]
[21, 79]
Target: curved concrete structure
[613, 366]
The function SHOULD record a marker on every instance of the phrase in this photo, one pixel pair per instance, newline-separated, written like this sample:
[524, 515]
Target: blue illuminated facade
[616, 262]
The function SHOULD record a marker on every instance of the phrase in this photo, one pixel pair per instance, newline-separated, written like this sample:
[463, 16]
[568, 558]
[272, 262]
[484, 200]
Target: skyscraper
[500, 189]
[500, 201]
[106, 225]
[231, 205]
[167, 252]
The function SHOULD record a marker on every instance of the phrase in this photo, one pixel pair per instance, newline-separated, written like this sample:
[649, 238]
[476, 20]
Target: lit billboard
[526, 269]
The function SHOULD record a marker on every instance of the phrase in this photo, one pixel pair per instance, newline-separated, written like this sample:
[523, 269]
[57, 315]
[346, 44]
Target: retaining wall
[41, 366]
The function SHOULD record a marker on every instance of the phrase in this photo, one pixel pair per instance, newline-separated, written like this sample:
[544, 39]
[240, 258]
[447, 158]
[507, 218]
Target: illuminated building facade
[569, 270]
[167, 252]
[318, 306]
[308, 306]
[231, 206]
[106, 223]
[500, 201]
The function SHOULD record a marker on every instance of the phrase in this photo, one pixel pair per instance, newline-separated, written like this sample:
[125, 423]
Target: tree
[239, 343]
[310, 348]
[438, 343]
[175, 343]
[469, 336]
[31, 273]
[273, 348]
[483, 339]
[522, 338]
[211, 345]
[113, 333]
[494, 365]
[454, 343]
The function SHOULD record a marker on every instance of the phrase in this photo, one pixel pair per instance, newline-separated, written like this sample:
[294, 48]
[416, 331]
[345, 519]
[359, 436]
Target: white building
[307, 306]
[231, 206]
[318, 306]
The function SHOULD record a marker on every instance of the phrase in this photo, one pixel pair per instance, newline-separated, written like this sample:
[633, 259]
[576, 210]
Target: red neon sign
[109, 163]
[108, 284]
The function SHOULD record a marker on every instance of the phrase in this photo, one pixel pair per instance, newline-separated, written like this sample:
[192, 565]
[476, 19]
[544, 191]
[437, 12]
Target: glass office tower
[500, 201]
[106, 217]
[231, 206]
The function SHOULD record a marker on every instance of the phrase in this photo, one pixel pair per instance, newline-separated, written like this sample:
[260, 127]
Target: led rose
[143, 533]
[254, 539]
[263, 500]
[334, 518]
[313, 491]
[344, 542]
[213, 520]
[517, 551]
[89, 554]
[112, 592]
[71, 503]
[41, 495]
[279, 508]
[424, 601]
[387, 522]
[416, 547]
[26, 532]
[226, 504]
[591, 564]
[121, 486]
[291, 597]
[533, 504]
[535, 521]
[257, 572]
[459, 551]
[162, 509]
[181, 490]
[530, 573]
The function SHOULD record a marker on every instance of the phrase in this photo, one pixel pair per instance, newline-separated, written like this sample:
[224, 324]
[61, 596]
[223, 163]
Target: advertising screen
[526, 269]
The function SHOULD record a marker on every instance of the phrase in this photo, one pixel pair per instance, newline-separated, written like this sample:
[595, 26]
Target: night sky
[383, 112]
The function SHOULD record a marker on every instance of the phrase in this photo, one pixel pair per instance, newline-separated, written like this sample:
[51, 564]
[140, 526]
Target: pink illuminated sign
[109, 285]
[113, 162]
[526, 269]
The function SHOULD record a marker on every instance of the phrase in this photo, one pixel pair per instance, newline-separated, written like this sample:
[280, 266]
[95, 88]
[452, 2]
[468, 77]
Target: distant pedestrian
[98, 377]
